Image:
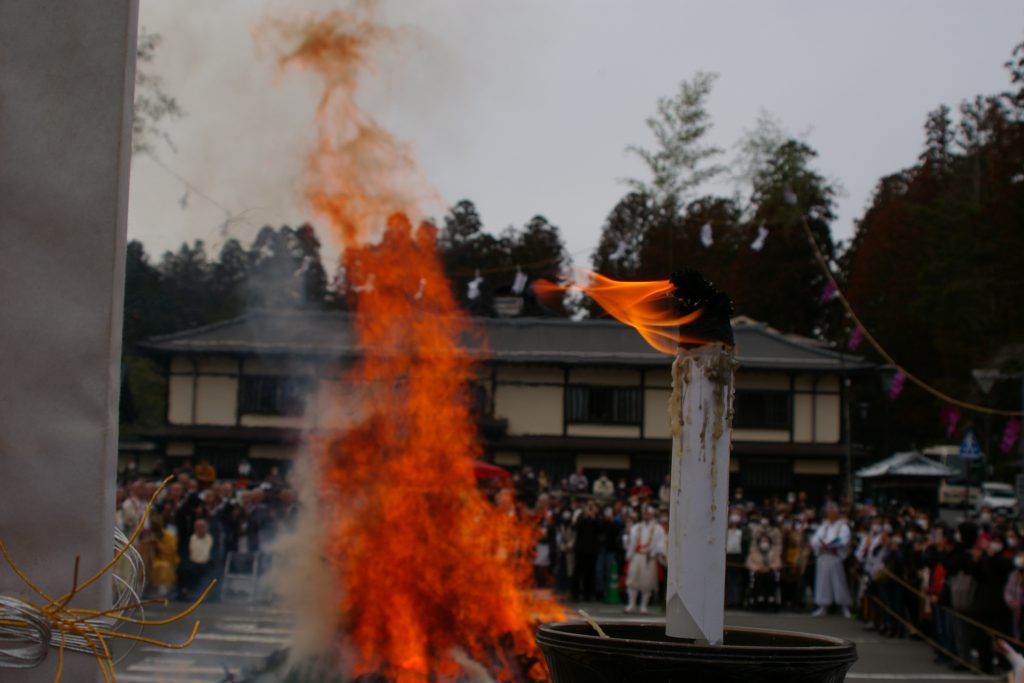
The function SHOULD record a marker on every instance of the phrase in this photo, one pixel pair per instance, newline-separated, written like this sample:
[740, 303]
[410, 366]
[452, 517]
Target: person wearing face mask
[566, 537]
[985, 519]
[641, 491]
[936, 559]
[988, 572]
[795, 555]
[993, 571]
[737, 540]
[764, 561]
[866, 556]
[876, 576]
[1013, 593]
[891, 592]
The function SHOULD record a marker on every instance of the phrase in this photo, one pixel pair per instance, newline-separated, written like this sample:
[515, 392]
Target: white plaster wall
[607, 431]
[179, 399]
[773, 435]
[802, 419]
[656, 422]
[216, 400]
[602, 461]
[285, 421]
[530, 409]
[827, 415]
[181, 448]
[508, 459]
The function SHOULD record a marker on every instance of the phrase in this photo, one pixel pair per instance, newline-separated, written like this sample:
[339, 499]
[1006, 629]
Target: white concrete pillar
[66, 86]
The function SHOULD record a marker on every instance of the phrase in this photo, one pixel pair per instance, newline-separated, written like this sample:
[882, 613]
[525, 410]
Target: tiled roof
[907, 464]
[509, 340]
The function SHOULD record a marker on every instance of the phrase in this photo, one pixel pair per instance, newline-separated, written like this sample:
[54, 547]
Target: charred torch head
[692, 293]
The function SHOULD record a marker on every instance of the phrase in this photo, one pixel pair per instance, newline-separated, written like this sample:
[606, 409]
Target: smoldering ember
[720, 443]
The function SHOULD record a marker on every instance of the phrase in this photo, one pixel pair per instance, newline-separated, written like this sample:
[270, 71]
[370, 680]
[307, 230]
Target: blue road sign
[969, 448]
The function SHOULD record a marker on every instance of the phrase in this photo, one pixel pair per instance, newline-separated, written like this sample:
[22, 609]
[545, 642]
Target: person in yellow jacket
[165, 557]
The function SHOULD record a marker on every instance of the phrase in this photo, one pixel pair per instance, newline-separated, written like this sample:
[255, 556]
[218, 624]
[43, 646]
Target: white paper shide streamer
[706, 236]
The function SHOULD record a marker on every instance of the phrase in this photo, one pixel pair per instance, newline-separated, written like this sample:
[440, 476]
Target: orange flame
[430, 571]
[649, 307]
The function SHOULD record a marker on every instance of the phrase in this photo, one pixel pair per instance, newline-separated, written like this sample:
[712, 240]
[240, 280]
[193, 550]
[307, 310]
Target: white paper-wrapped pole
[701, 414]
[65, 130]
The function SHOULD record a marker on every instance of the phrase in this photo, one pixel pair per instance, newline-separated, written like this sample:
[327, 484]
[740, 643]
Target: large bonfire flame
[432, 575]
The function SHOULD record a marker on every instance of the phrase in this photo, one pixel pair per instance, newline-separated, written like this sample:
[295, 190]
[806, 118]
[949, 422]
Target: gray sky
[525, 107]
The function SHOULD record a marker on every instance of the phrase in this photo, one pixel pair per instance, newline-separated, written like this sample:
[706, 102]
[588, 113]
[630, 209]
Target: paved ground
[233, 639]
[237, 638]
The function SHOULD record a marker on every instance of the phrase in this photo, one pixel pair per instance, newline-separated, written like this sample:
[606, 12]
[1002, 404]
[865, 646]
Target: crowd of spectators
[199, 519]
[902, 570]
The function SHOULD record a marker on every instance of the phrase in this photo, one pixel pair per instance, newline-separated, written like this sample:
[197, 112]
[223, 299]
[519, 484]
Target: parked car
[1000, 498]
[952, 492]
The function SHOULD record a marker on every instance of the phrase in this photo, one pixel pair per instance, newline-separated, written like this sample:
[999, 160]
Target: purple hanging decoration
[828, 293]
[896, 388]
[950, 416]
[1010, 435]
[856, 339]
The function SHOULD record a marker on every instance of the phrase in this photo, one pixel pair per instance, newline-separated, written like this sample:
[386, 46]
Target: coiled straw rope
[24, 634]
[28, 629]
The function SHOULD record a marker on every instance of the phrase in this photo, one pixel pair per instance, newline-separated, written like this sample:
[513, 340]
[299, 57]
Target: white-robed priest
[646, 548]
[831, 545]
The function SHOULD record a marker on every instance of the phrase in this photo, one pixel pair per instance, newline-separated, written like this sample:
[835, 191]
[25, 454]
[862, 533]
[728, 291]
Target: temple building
[551, 393]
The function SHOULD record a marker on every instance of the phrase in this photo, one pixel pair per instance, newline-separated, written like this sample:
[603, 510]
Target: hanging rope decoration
[29, 628]
[907, 375]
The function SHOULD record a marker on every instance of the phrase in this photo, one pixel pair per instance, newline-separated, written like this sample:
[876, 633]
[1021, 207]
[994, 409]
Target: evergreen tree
[185, 281]
[625, 233]
[680, 161]
[145, 312]
[228, 281]
[482, 266]
[285, 269]
[934, 267]
[782, 283]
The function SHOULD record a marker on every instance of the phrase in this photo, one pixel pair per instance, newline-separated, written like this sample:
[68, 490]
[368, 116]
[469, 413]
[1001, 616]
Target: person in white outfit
[831, 545]
[646, 547]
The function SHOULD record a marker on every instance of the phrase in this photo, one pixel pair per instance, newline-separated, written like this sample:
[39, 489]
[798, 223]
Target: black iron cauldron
[636, 651]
